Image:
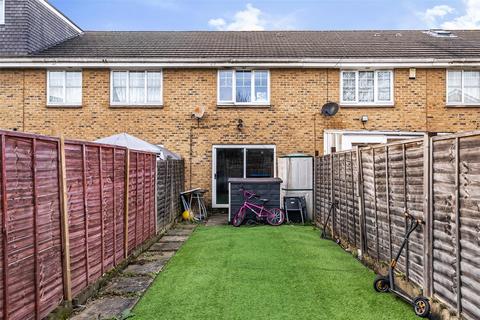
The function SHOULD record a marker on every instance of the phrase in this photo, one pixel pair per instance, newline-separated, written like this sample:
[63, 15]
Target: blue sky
[270, 14]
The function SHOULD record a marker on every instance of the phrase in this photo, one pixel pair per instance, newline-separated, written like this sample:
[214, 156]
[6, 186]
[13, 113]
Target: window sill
[64, 106]
[367, 105]
[244, 106]
[463, 105]
[137, 106]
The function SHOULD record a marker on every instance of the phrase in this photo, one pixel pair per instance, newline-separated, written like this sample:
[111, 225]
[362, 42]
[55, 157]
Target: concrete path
[119, 296]
[217, 220]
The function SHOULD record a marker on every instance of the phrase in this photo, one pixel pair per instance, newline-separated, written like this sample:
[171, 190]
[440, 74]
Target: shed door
[239, 161]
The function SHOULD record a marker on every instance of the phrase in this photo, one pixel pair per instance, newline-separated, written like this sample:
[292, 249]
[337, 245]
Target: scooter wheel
[421, 306]
[381, 284]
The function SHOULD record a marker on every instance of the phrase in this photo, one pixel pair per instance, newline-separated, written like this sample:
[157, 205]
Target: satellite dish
[198, 112]
[330, 109]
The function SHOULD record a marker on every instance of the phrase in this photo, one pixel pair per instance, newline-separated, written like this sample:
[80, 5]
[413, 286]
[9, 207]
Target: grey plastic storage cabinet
[268, 188]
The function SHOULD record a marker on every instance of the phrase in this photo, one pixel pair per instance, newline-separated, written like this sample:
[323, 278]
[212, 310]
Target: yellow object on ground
[187, 216]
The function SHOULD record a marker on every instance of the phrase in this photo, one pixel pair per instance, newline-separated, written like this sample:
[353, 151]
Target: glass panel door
[259, 163]
[229, 164]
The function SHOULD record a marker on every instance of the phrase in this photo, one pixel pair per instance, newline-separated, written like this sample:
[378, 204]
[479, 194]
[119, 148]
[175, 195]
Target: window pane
[244, 86]
[384, 90]
[2, 12]
[137, 87]
[56, 81]
[73, 87]
[366, 86]
[225, 83]
[454, 86]
[119, 87]
[154, 87]
[349, 94]
[471, 86]
[259, 163]
[261, 86]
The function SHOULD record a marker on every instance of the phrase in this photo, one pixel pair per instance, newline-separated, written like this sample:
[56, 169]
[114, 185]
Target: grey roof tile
[269, 44]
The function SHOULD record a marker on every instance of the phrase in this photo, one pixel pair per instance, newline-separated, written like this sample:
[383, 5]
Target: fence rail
[70, 212]
[436, 179]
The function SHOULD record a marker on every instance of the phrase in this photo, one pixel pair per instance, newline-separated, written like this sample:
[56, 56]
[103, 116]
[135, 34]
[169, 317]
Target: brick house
[262, 91]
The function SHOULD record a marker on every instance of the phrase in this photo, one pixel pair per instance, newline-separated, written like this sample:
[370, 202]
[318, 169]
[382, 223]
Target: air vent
[440, 33]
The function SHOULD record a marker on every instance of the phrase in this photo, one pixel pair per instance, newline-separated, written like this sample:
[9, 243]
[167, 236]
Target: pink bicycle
[274, 217]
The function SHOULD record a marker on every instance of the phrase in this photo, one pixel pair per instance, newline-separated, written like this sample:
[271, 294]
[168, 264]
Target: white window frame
[462, 103]
[128, 103]
[65, 103]
[234, 89]
[2, 16]
[376, 102]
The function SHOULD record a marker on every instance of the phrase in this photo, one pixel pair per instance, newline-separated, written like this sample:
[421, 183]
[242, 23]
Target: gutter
[34, 62]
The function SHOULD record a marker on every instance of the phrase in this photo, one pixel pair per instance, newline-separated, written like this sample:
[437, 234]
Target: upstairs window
[136, 88]
[64, 88]
[463, 87]
[2, 11]
[243, 87]
[366, 87]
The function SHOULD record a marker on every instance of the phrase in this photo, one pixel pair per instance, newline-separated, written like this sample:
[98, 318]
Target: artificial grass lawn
[265, 272]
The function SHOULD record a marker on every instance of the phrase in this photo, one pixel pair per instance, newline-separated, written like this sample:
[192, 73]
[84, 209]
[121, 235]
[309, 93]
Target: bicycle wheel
[238, 217]
[275, 217]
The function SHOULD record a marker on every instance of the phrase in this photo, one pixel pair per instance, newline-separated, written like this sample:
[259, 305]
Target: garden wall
[436, 179]
[66, 217]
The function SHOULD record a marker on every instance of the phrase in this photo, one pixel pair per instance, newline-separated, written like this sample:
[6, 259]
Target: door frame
[237, 146]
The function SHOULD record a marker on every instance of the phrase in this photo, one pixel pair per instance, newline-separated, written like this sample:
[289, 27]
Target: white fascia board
[240, 63]
[373, 132]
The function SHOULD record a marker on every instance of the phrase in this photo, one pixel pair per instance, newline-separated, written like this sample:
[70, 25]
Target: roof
[131, 142]
[268, 45]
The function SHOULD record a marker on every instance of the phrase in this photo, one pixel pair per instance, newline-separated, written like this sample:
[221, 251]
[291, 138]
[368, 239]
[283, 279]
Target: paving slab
[126, 285]
[147, 268]
[173, 238]
[165, 246]
[106, 308]
[185, 226]
[153, 256]
[179, 232]
[217, 220]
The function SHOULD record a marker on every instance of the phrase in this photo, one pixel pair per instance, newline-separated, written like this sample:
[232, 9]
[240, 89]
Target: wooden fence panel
[31, 239]
[469, 210]
[170, 183]
[391, 181]
[35, 273]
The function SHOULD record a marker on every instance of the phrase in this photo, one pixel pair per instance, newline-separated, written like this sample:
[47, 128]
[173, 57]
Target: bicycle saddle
[264, 200]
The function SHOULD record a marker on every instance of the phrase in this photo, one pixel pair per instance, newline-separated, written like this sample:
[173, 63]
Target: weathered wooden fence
[66, 217]
[436, 179]
[170, 184]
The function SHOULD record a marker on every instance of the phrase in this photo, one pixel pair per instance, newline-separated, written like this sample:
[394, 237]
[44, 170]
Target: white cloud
[253, 19]
[470, 20]
[441, 16]
[244, 20]
[431, 16]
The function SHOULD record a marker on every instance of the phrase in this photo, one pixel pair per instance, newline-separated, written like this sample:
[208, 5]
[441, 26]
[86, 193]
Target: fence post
[361, 203]
[125, 209]
[6, 296]
[156, 193]
[375, 203]
[428, 230]
[67, 274]
[332, 197]
[405, 206]
[457, 226]
[102, 218]
[387, 191]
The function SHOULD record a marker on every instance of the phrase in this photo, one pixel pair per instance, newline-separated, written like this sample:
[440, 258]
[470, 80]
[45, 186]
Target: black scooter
[421, 305]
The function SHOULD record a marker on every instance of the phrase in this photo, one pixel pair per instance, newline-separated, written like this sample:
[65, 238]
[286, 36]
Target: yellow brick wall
[291, 123]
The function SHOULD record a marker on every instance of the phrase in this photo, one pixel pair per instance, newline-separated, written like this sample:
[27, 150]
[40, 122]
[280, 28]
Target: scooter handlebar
[419, 221]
